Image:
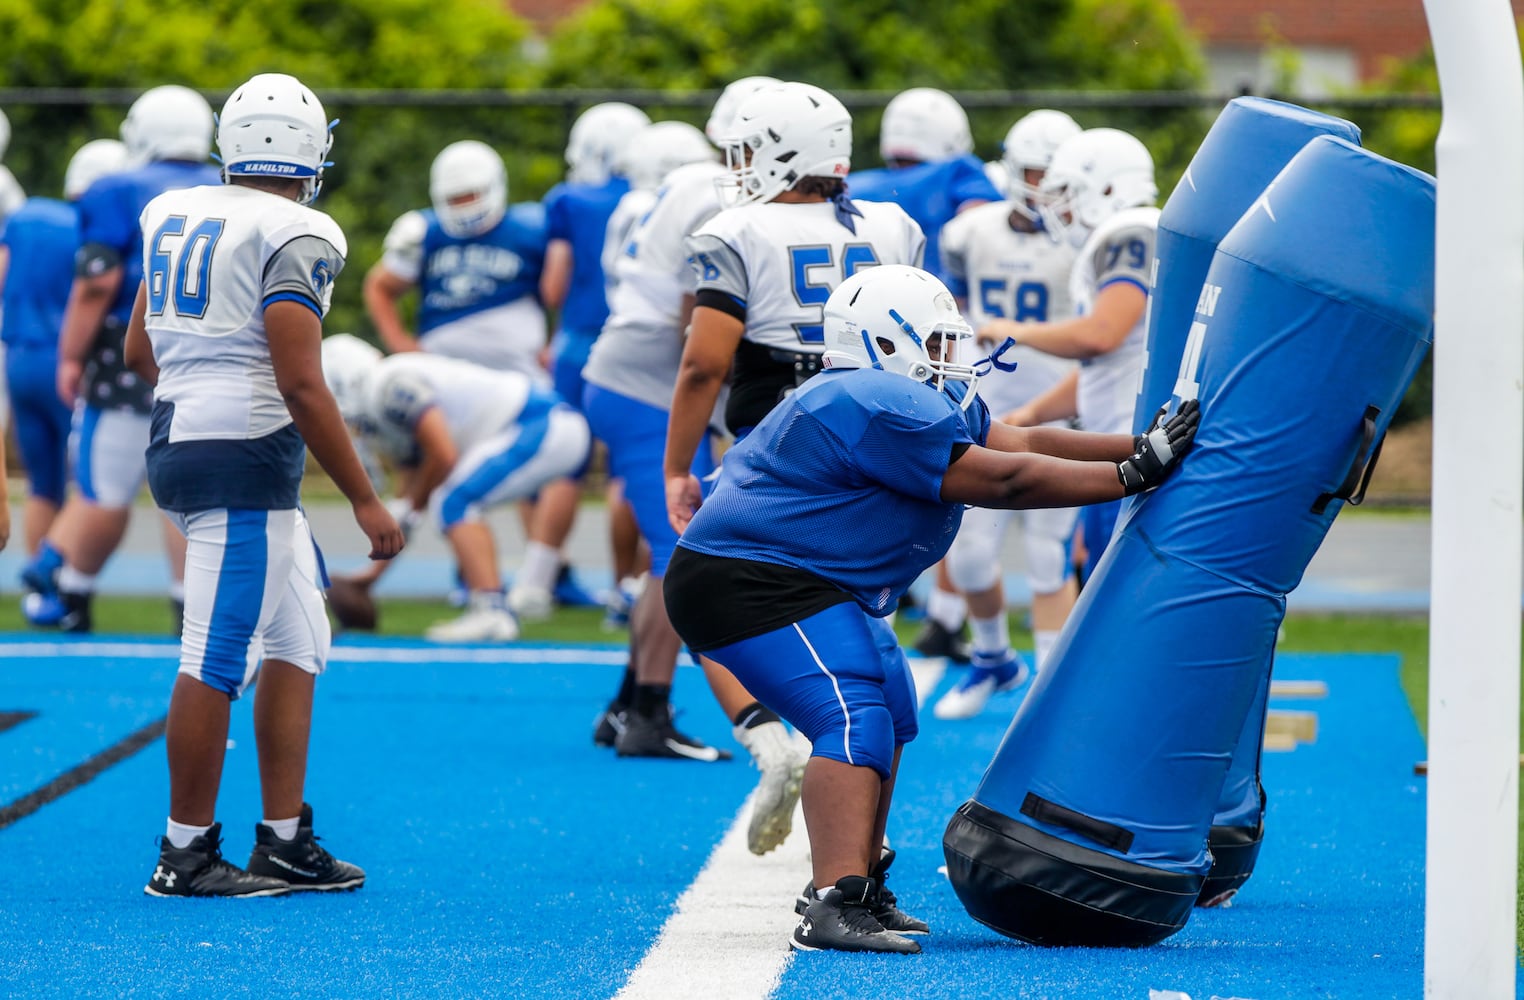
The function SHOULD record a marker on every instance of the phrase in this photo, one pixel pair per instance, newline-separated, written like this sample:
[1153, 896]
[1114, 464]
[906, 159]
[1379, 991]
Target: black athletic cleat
[885, 907]
[300, 861]
[844, 921]
[610, 724]
[936, 640]
[656, 736]
[198, 869]
[76, 607]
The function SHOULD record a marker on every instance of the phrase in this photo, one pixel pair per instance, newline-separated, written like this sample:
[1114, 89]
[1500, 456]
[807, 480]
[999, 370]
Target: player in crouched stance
[467, 438]
[228, 325]
[825, 514]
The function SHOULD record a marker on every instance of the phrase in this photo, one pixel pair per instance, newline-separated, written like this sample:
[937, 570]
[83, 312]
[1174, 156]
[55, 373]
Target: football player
[1098, 193]
[1002, 263]
[227, 324]
[168, 133]
[834, 504]
[470, 438]
[37, 261]
[930, 170]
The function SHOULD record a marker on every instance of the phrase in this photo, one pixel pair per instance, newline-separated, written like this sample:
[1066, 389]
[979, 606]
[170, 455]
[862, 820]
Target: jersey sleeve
[402, 251]
[558, 214]
[718, 267]
[1124, 255]
[401, 400]
[106, 230]
[302, 270]
[972, 184]
[908, 447]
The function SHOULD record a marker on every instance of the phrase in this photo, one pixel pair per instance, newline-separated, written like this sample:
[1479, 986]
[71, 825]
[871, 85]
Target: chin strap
[995, 360]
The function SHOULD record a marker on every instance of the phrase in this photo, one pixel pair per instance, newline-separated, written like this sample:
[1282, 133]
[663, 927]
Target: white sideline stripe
[340, 654]
[728, 936]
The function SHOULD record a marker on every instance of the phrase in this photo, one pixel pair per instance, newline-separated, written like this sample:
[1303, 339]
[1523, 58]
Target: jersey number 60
[186, 264]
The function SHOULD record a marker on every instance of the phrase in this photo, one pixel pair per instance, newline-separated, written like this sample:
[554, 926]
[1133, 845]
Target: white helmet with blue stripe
[273, 126]
[899, 319]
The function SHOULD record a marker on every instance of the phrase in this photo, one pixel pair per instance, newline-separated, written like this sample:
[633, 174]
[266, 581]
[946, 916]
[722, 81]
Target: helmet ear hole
[885, 345]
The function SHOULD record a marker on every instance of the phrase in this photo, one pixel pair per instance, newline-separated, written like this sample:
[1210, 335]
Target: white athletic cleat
[485, 620]
[988, 673]
[781, 760]
[531, 604]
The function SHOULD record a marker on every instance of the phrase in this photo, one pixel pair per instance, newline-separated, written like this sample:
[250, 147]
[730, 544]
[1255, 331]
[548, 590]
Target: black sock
[651, 699]
[754, 715]
[626, 687]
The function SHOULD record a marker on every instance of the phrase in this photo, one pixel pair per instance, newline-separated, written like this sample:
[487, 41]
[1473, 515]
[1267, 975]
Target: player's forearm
[1080, 446]
[381, 307]
[137, 349]
[693, 400]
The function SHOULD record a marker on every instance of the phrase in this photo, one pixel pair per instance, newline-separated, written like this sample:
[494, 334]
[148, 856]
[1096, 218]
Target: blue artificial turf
[507, 856]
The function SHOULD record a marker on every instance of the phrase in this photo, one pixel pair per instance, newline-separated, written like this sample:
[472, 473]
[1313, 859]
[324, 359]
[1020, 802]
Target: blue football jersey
[462, 276]
[843, 479]
[930, 193]
[41, 239]
[579, 214]
[109, 211]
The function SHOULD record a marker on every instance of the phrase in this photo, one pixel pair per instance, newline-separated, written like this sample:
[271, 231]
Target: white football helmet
[924, 124]
[1093, 176]
[468, 185]
[5, 134]
[92, 161]
[730, 99]
[660, 148]
[273, 126]
[781, 134]
[1030, 145]
[168, 123]
[597, 139]
[899, 319]
[348, 363]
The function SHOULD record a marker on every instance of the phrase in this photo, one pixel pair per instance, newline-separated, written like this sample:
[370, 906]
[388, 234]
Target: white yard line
[728, 936]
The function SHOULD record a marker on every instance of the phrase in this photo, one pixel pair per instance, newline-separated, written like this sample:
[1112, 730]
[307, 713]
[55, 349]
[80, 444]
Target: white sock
[73, 581]
[1044, 642]
[285, 829]
[991, 635]
[539, 568]
[177, 590]
[180, 835]
[491, 600]
[946, 609]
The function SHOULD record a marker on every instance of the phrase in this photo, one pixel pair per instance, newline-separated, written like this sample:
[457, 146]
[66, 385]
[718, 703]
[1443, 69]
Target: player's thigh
[42, 424]
[298, 631]
[973, 561]
[107, 448]
[237, 567]
[514, 464]
[1048, 541]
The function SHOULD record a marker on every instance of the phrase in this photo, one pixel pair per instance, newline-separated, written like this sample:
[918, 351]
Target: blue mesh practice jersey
[843, 479]
[579, 214]
[41, 239]
[930, 193]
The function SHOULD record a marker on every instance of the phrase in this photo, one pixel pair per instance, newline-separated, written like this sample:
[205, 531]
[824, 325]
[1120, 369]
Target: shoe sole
[349, 886]
[283, 891]
[779, 820]
[796, 946]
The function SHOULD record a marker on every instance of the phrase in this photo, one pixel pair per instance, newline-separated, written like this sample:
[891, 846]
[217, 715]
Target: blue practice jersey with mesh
[852, 455]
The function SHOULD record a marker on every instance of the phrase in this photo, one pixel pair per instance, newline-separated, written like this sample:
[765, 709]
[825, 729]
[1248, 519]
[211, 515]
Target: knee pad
[973, 565]
[1047, 564]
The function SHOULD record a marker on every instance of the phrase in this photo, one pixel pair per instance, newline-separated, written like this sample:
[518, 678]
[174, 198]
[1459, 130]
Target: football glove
[1157, 452]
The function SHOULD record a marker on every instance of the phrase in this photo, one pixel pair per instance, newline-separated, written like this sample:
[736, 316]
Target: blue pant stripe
[240, 596]
[494, 470]
[87, 424]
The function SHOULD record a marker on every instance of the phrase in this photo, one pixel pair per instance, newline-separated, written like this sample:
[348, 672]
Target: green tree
[381, 155]
[889, 45]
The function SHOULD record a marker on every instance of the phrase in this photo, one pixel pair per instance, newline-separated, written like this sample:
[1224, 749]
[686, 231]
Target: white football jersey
[1006, 273]
[477, 402]
[1120, 249]
[213, 258]
[782, 261]
[641, 347]
[632, 207]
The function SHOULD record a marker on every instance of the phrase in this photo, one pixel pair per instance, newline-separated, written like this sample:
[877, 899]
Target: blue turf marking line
[508, 856]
